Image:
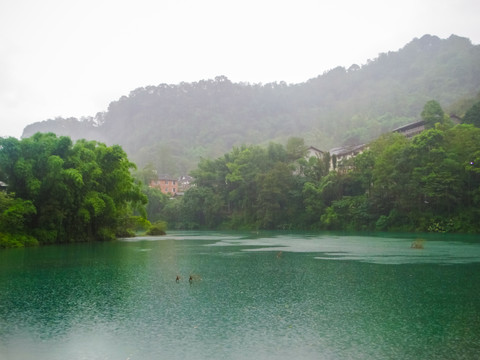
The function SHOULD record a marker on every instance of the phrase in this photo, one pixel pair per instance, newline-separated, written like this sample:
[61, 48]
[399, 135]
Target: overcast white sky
[73, 57]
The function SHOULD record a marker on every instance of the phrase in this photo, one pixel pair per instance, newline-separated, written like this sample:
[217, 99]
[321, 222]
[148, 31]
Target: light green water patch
[379, 250]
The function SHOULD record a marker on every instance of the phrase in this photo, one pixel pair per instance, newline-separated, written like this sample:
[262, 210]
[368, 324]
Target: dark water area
[252, 296]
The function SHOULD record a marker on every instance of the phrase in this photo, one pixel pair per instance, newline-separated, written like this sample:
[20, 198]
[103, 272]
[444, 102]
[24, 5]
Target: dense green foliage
[13, 215]
[432, 113]
[173, 126]
[429, 183]
[64, 192]
[158, 228]
[473, 115]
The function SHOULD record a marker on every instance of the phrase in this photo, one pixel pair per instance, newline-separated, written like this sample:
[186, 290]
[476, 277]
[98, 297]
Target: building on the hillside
[340, 155]
[3, 186]
[171, 186]
[412, 129]
[415, 128]
[455, 119]
[166, 185]
[310, 152]
[313, 151]
[184, 183]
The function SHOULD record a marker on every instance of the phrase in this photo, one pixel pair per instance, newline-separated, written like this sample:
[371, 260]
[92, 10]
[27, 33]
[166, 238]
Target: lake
[252, 296]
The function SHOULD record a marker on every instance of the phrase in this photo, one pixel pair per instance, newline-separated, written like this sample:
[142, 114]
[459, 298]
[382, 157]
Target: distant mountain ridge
[172, 126]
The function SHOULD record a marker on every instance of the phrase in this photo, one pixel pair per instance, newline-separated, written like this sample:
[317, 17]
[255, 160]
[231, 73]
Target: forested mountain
[173, 126]
[429, 183]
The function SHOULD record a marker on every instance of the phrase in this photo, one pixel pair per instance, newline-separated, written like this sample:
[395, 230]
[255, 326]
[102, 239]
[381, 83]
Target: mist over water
[253, 296]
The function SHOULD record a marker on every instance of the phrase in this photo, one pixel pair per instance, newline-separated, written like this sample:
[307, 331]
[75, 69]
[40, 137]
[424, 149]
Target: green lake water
[253, 296]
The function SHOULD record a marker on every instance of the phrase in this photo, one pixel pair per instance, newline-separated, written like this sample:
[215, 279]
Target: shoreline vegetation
[60, 192]
[427, 183]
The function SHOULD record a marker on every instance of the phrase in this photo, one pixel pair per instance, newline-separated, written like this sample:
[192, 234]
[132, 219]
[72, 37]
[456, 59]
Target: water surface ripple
[252, 296]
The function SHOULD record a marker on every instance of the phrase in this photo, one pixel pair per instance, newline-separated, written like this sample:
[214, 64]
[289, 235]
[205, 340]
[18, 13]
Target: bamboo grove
[63, 192]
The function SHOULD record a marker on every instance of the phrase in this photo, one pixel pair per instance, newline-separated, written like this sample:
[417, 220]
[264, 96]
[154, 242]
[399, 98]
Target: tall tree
[432, 113]
[472, 116]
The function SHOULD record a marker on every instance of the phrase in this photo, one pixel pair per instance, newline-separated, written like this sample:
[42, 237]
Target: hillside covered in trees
[56, 191]
[430, 183]
[172, 127]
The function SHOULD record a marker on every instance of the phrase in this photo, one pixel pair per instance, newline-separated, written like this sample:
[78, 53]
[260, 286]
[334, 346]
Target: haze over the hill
[70, 58]
[172, 126]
